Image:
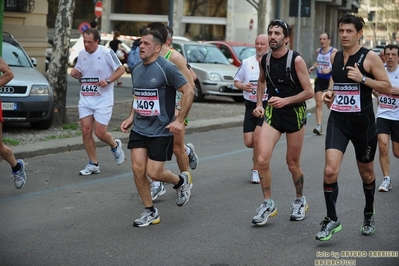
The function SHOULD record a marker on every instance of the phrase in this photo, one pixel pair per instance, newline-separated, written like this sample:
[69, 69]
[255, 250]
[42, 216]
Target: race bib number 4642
[146, 102]
[347, 97]
[89, 87]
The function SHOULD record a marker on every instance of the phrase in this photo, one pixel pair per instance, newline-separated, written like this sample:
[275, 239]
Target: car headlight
[40, 90]
[215, 77]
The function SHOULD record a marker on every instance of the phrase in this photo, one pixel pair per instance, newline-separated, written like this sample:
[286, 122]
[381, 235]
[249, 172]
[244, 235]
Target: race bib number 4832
[347, 97]
[89, 87]
[146, 102]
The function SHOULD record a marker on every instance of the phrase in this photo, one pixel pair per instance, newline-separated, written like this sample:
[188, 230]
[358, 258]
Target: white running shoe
[299, 208]
[318, 130]
[264, 212]
[184, 191]
[386, 185]
[147, 217]
[157, 190]
[90, 169]
[118, 153]
[20, 176]
[192, 157]
[255, 177]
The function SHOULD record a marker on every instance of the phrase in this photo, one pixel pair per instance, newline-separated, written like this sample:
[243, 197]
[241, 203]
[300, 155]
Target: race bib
[347, 97]
[388, 101]
[89, 87]
[252, 96]
[146, 102]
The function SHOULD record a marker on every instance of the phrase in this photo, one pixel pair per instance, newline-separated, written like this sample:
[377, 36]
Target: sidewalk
[75, 143]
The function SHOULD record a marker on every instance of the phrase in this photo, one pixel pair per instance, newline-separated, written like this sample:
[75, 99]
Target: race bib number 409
[347, 97]
[89, 87]
[146, 102]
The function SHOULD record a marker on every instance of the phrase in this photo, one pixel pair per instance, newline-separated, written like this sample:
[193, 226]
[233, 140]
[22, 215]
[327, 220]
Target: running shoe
[90, 169]
[157, 190]
[147, 217]
[385, 185]
[368, 226]
[184, 191]
[328, 228]
[192, 156]
[318, 130]
[299, 208]
[255, 177]
[264, 212]
[20, 176]
[118, 152]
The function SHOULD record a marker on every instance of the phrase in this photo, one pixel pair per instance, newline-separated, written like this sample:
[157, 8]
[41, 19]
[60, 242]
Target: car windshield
[244, 51]
[204, 54]
[14, 56]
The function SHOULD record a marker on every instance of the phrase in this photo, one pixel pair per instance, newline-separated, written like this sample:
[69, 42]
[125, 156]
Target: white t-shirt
[249, 73]
[388, 106]
[95, 67]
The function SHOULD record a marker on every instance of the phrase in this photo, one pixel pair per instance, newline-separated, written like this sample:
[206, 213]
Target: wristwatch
[108, 81]
[178, 107]
[364, 79]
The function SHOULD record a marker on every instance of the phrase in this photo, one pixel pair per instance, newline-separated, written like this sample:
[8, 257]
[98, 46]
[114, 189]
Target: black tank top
[340, 75]
[284, 87]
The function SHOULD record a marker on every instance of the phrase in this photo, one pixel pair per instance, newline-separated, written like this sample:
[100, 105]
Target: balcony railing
[25, 6]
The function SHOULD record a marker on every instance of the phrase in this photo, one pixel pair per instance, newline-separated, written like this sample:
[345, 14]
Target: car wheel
[238, 99]
[198, 96]
[45, 124]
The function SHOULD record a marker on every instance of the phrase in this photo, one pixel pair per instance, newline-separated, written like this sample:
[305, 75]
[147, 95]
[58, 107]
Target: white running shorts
[102, 115]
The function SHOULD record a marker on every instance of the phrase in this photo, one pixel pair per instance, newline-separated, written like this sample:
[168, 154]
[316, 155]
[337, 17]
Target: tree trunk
[58, 67]
[262, 17]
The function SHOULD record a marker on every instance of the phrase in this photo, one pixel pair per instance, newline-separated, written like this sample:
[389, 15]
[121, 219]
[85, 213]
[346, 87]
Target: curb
[75, 143]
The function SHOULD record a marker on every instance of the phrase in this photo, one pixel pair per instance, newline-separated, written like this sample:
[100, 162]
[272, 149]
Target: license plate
[9, 106]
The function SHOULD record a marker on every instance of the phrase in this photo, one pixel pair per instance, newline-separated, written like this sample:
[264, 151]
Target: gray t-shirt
[154, 91]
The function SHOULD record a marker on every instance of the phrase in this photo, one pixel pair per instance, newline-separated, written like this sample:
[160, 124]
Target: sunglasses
[280, 22]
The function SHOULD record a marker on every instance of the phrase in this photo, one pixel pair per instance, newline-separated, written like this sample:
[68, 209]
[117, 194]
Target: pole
[299, 26]
[1, 25]
[170, 24]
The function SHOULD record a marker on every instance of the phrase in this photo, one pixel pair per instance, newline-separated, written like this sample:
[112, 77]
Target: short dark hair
[159, 26]
[281, 23]
[390, 47]
[170, 32]
[142, 28]
[93, 24]
[349, 18]
[94, 32]
[156, 36]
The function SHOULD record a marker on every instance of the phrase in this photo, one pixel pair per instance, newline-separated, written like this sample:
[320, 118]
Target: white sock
[387, 177]
[156, 183]
[188, 150]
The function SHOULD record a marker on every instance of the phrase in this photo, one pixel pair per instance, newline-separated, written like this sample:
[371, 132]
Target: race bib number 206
[146, 102]
[347, 97]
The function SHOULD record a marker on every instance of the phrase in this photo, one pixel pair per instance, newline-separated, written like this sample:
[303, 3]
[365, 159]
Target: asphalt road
[61, 218]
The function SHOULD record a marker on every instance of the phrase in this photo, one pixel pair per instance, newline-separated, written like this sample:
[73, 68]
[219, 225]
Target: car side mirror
[34, 61]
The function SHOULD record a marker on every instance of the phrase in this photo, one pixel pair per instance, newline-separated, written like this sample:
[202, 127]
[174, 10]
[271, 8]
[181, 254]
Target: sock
[369, 190]
[181, 181]
[330, 196]
[387, 177]
[156, 183]
[302, 199]
[151, 209]
[268, 201]
[96, 164]
[16, 168]
[114, 149]
[188, 150]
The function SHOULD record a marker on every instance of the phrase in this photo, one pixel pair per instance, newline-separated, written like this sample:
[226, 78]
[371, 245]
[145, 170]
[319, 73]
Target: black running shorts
[158, 148]
[389, 127]
[360, 130]
[250, 121]
[286, 120]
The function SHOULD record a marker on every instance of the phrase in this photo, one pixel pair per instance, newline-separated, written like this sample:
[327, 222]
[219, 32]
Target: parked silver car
[28, 97]
[215, 73]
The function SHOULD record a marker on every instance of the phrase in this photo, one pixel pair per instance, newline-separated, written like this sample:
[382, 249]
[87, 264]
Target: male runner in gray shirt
[155, 82]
